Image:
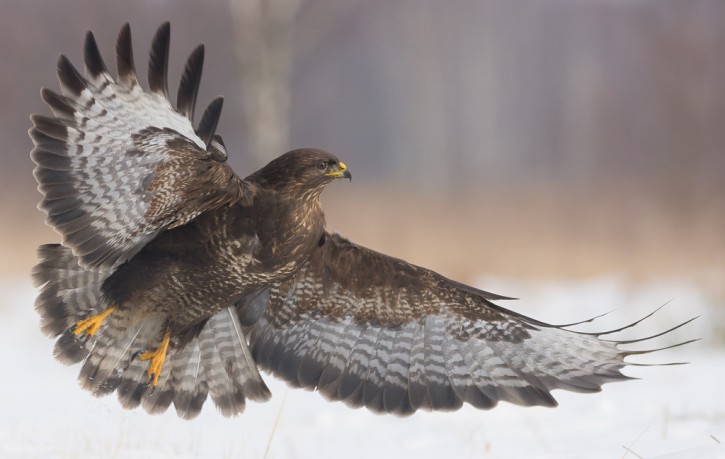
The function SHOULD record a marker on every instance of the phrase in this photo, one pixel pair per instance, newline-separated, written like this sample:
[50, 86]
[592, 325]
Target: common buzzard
[176, 279]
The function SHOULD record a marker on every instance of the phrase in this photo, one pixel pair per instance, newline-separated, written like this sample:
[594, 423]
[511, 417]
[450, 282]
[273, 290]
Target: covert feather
[175, 279]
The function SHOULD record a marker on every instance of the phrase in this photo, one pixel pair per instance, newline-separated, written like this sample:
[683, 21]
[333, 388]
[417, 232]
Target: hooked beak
[341, 172]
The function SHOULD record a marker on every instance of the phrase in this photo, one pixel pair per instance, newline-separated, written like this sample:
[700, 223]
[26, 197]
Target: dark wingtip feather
[217, 148]
[649, 351]
[52, 127]
[443, 397]
[69, 77]
[639, 340]
[124, 56]
[49, 152]
[208, 123]
[159, 60]
[190, 80]
[617, 330]
[92, 56]
[60, 105]
[394, 397]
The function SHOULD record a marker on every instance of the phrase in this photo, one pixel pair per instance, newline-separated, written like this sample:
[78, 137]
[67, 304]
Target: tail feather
[159, 398]
[134, 384]
[68, 291]
[125, 337]
[217, 362]
[69, 349]
[227, 394]
[188, 380]
[235, 354]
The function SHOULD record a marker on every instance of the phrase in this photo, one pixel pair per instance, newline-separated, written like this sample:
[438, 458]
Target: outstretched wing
[117, 164]
[375, 331]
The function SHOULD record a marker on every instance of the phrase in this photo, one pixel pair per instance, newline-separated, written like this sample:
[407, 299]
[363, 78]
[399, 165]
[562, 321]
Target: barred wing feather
[375, 331]
[117, 164]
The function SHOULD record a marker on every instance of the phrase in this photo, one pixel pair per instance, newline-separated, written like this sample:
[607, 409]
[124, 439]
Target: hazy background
[515, 138]
[568, 152]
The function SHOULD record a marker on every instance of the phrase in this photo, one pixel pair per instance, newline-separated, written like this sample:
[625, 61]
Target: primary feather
[176, 279]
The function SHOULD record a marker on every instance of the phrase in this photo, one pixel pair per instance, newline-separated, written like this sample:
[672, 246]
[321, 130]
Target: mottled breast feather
[117, 164]
[177, 280]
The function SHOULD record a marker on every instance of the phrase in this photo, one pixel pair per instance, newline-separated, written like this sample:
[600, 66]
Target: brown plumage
[175, 278]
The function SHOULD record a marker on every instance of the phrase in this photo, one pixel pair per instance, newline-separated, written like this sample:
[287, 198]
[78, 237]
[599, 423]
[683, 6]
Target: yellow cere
[339, 172]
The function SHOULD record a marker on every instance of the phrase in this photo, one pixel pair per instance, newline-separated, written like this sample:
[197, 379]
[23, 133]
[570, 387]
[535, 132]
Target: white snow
[674, 412]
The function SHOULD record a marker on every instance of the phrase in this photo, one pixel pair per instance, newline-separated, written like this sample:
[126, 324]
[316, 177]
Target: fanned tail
[217, 362]
[230, 370]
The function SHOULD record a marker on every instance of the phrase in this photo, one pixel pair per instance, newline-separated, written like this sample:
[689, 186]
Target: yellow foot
[91, 325]
[157, 358]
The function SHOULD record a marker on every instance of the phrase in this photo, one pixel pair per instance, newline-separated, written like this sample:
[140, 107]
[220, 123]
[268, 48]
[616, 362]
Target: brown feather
[163, 244]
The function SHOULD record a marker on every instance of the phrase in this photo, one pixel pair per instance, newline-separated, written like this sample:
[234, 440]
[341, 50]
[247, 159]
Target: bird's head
[302, 171]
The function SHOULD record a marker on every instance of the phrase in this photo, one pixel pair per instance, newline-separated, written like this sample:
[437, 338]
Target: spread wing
[117, 164]
[375, 331]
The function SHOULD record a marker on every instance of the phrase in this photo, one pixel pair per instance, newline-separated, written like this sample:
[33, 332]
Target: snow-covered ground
[676, 411]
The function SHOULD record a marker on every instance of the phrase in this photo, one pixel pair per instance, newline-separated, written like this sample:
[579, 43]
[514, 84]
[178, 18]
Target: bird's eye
[322, 165]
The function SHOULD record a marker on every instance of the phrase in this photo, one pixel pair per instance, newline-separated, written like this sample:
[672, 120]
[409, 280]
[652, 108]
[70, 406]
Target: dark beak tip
[347, 175]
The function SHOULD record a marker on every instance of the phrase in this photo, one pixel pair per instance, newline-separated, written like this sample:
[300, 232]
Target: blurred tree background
[503, 137]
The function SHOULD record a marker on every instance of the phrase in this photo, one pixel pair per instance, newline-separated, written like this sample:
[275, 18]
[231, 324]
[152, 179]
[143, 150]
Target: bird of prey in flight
[176, 279]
